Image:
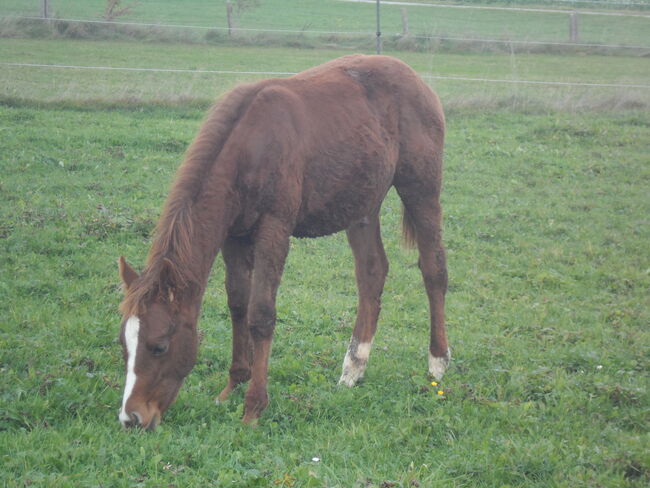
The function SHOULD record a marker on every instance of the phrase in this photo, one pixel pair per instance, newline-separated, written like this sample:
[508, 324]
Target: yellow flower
[433, 383]
[440, 392]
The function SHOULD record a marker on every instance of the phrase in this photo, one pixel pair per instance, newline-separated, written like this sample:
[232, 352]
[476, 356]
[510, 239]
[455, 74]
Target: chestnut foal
[304, 156]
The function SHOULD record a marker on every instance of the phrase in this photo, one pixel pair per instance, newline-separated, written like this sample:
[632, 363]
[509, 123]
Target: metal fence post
[378, 30]
[405, 22]
[229, 15]
[573, 27]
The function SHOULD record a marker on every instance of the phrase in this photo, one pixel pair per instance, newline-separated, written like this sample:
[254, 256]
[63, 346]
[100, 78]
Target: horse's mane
[171, 251]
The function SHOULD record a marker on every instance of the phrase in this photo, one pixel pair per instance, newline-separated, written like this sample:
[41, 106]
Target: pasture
[546, 228]
[336, 20]
[144, 81]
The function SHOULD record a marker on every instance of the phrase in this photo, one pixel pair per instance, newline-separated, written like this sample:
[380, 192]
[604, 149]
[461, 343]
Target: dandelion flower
[433, 383]
[440, 392]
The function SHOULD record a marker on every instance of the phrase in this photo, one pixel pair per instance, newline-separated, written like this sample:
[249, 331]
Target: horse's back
[323, 147]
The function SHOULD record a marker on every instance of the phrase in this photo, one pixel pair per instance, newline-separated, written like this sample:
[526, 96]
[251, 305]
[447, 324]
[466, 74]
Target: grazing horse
[304, 156]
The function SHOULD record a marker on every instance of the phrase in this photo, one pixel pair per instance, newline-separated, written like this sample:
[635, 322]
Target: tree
[114, 9]
[243, 5]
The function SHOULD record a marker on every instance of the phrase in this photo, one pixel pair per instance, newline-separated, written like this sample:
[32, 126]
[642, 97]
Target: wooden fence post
[229, 13]
[405, 22]
[46, 9]
[573, 27]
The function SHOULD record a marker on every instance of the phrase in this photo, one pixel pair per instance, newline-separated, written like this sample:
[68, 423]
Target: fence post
[378, 30]
[46, 9]
[573, 27]
[229, 13]
[405, 22]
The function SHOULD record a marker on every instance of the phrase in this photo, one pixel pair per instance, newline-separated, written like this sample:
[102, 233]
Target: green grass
[57, 85]
[334, 15]
[546, 226]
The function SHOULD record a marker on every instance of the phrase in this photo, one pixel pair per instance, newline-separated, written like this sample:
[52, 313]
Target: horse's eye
[160, 349]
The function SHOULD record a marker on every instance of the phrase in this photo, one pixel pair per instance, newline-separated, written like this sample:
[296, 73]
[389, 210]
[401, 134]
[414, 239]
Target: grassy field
[547, 235]
[339, 16]
[129, 87]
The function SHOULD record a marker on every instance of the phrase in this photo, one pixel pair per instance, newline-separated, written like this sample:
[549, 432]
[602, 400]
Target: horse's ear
[127, 273]
[169, 278]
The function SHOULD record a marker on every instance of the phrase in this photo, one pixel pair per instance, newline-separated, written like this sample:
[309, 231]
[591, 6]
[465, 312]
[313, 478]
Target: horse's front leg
[271, 248]
[238, 257]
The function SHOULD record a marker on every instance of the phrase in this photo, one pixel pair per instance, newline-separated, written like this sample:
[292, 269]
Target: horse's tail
[408, 230]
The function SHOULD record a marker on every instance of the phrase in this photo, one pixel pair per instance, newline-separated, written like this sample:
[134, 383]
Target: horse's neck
[193, 233]
[212, 217]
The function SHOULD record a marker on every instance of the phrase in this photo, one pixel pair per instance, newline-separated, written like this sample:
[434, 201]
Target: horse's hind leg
[238, 257]
[423, 213]
[371, 267]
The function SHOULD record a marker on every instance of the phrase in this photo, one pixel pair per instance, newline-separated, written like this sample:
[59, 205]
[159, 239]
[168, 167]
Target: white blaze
[131, 330]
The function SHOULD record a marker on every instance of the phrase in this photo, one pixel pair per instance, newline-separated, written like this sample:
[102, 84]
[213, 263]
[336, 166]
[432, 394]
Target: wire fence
[491, 7]
[289, 73]
[303, 32]
[613, 79]
[430, 21]
[198, 27]
[605, 2]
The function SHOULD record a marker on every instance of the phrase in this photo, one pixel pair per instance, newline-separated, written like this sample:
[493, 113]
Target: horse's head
[159, 343]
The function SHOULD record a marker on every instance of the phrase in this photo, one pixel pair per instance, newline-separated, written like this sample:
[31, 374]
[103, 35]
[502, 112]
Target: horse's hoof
[438, 365]
[223, 396]
[355, 362]
[251, 420]
[350, 378]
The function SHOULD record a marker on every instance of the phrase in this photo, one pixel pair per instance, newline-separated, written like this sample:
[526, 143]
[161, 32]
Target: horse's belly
[326, 222]
[333, 203]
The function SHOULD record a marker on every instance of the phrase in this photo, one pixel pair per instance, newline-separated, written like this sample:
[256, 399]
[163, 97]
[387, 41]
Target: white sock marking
[437, 366]
[131, 330]
[355, 362]
[363, 351]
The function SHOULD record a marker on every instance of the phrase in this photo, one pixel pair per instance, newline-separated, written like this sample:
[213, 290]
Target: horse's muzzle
[145, 423]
